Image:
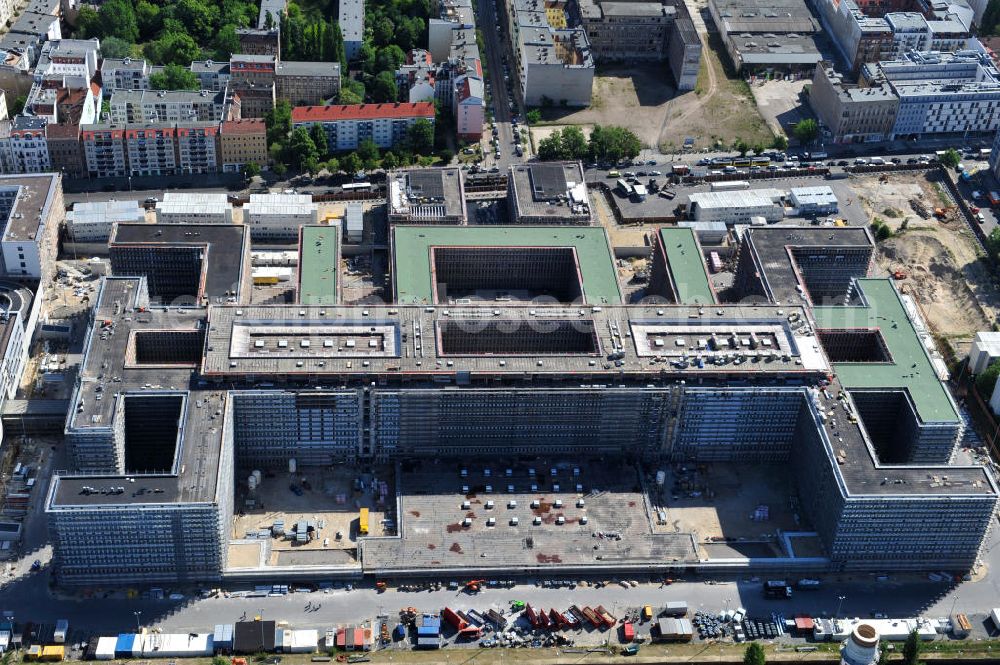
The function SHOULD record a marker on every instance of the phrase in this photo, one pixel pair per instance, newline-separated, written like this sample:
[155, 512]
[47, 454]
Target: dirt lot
[942, 260]
[643, 99]
[721, 500]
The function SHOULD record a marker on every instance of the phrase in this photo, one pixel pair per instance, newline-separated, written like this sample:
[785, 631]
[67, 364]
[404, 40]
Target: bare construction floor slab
[524, 516]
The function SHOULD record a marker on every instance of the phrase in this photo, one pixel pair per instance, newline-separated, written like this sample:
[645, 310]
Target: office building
[194, 208]
[278, 217]
[852, 113]
[91, 221]
[426, 196]
[184, 264]
[548, 193]
[31, 208]
[347, 126]
[678, 273]
[319, 265]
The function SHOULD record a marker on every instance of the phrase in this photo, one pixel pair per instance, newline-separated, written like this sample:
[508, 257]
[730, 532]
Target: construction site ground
[327, 498]
[717, 504]
[943, 263]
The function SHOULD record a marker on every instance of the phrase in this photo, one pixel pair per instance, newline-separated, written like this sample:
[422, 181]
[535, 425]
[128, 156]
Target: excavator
[474, 586]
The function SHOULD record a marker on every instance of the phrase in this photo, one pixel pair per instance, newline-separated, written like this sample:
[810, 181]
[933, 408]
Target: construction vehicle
[407, 616]
[380, 586]
[630, 650]
[517, 605]
[941, 213]
[474, 586]
[647, 612]
[239, 661]
[898, 274]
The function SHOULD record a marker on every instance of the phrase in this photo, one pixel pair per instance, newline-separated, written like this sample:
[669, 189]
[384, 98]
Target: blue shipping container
[125, 644]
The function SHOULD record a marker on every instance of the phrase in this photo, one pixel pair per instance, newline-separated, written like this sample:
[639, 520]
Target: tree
[226, 42]
[613, 144]
[911, 650]
[883, 654]
[987, 381]
[174, 77]
[350, 163]
[200, 18]
[780, 142]
[389, 58]
[149, 18]
[389, 161]
[754, 655]
[384, 88]
[741, 146]
[551, 147]
[332, 165]
[278, 122]
[351, 92]
[17, 105]
[806, 130]
[338, 52]
[534, 116]
[446, 155]
[173, 47]
[87, 23]
[250, 170]
[574, 143]
[116, 18]
[319, 139]
[421, 136]
[115, 47]
[951, 158]
[368, 153]
[382, 31]
[301, 147]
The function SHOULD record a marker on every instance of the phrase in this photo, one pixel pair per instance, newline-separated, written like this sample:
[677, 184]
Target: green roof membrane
[910, 369]
[687, 266]
[318, 265]
[412, 265]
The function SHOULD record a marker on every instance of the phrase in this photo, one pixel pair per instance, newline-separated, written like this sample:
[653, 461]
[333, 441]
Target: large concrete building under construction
[168, 404]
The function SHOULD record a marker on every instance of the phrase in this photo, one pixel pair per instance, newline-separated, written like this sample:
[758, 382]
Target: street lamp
[840, 601]
[137, 614]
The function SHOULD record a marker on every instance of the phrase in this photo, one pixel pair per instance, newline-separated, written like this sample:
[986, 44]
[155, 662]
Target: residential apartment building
[142, 106]
[452, 14]
[242, 142]
[469, 107]
[347, 126]
[43, 26]
[66, 150]
[254, 100]
[125, 74]
[852, 113]
[104, 150]
[211, 75]
[306, 83]
[28, 148]
[553, 60]
[68, 57]
[260, 41]
[197, 147]
[351, 18]
[151, 149]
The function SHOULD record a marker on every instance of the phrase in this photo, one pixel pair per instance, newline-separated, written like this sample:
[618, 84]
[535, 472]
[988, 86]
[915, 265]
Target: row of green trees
[755, 655]
[611, 144]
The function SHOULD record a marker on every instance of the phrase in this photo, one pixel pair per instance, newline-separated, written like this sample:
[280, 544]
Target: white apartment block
[125, 74]
[31, 209]
[151, 150]
[29, 149]
[68, 57]
[277, 217]
[194, 208]
[142, 106]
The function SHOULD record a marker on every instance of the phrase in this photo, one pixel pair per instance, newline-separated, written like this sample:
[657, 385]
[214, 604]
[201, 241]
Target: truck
[816, 155]
[777, 589]
[62, 627]
[808, 585]
[624, 187]
[994, 198]
[605, 616]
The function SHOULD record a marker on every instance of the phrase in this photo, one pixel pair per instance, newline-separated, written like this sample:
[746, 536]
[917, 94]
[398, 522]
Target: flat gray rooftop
[225, 248]
[555, 191]
[26, 219]
[422, 195]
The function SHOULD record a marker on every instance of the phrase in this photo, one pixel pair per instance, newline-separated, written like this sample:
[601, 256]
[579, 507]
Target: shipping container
[363, 522]
[605, 616]
[960, 625]
[105, 649]
[673, 630]
[995, 616]
[62, 627]
[675, 608]
[628, 631]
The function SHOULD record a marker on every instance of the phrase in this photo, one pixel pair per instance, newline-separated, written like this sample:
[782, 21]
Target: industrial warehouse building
[204, 391]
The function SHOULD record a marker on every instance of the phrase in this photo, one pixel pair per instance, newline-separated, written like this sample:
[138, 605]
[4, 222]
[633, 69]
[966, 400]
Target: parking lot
[583, 514]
